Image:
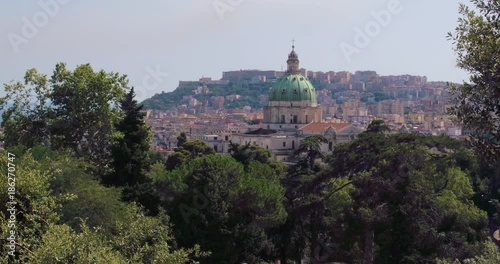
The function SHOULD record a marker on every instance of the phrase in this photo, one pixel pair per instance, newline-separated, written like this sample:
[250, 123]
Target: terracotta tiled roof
[322, 127]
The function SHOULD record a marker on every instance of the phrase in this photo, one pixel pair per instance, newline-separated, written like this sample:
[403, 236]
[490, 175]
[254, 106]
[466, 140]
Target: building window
[215, 148]
[282, 119]
[330, 146]
[295, 119]
[293, 144]
[284, 144]
[227, 138]
[215, 138]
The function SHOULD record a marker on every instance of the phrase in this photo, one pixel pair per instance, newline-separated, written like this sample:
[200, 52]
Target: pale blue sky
[190, 38]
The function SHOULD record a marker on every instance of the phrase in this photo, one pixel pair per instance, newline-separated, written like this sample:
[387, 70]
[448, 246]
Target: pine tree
[130, 152]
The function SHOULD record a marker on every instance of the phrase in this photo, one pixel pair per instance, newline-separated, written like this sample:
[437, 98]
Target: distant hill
[253, 95]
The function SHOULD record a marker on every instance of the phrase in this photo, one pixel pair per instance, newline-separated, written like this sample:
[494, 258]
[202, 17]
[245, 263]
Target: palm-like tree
[311, 146]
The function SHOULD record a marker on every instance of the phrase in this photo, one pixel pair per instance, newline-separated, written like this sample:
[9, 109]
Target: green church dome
[292, 87]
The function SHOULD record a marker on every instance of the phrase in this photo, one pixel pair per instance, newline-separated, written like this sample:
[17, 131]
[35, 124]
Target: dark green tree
[377, 126]
[412, 200]
[130, 150]
[215, 203]
[131, 156]
[248, 153]
[311, 147]
[187, 152]
[384, 199]
[181, 139]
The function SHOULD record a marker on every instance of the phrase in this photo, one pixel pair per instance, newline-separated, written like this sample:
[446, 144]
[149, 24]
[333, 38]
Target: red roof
[322, 127]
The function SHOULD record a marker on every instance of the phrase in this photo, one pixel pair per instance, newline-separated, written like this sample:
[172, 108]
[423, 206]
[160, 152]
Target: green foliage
[85, 109]
[311, 147]
[214, 199]
[165, 101]
[250, 95]
[61, 244]
[248, 153]
[26, 119]
[477, 45]
[130, 151]
[80, 116]
[96, 204]
[65, 216]
[377, 126]
[490, 255]
[188, 151]
[412, 195]
[181, 139]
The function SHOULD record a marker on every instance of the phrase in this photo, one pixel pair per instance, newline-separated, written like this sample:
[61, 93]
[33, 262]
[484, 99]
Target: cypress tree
[130, 151]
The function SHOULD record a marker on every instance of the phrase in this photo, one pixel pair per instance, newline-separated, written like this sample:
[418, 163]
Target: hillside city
[405, 103]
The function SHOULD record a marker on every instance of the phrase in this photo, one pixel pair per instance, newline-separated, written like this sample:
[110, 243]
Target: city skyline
[165, 43]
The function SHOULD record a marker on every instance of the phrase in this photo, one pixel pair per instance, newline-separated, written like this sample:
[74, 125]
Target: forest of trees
[90, 190]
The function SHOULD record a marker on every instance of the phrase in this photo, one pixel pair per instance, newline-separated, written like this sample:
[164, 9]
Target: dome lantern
[293, 61]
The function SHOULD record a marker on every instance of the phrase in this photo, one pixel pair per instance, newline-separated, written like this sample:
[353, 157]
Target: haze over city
[191, 39]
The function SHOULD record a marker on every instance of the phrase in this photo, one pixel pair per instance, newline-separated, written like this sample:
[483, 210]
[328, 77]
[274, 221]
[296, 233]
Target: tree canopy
[477, 45]
[214, 202]
[73, 110]
[64, 215]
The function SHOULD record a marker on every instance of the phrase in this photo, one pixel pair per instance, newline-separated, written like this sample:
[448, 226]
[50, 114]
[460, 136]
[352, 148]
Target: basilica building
[291, 114]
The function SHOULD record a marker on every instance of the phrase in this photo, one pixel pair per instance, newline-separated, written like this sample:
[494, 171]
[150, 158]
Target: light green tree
[477, 45]
[73, 110]
[26, 111]
[66, 216]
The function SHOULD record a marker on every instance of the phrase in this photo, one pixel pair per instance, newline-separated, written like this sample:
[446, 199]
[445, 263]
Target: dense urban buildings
[292, 113]
[275, 109]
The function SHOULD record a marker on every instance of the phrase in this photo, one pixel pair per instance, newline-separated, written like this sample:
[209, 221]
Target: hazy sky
[189, 39]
